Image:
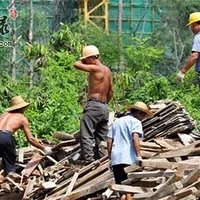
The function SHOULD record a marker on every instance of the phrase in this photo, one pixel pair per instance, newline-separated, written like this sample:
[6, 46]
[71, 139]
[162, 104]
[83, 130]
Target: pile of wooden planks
[47, 177]
[170, 120]
[170, 175]
[169, 169]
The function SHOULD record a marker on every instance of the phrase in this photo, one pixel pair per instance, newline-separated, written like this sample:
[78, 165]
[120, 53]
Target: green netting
[139, 17]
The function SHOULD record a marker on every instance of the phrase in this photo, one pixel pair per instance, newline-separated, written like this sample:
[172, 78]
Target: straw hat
[142, 107]
[17, 103]
[88, 51]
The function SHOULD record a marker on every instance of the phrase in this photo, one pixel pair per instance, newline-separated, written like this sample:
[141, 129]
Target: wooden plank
[92, 174]
[150, 145]
[164, 143]
[132, 168]
[14, 183]
[64, 144]
[6, 187]
[183, 151]
[143, 196]
[62, 136]
[32, 164]
[47, 185]
[52, 159]
[148, 174]
[90, 189]
[126, 189]
[61, 189]
[107, 193]
[29, 188]
[169, 189]
[72, 183]
[159, 163]
[185, 192]
[147, 154]
[192, 177]
[21, 155]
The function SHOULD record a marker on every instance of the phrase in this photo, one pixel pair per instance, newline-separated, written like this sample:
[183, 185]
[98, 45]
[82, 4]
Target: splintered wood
[170, 168]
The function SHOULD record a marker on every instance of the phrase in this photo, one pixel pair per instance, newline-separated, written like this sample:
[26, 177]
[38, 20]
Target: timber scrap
[169, 170]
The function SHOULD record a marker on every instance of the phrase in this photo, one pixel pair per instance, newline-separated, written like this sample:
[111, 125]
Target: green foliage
[140, 59]
[141, 56]
[156, 89]
[66, 40]
[55, 105]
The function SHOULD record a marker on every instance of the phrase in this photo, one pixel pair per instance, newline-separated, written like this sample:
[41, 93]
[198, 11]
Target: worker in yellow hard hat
[194, 23]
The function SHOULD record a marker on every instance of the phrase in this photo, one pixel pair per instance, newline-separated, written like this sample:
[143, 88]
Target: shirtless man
[10, 121]
[94, 122]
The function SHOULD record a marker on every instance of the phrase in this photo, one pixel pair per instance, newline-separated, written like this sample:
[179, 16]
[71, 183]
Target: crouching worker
[123, 141]
[10, 121]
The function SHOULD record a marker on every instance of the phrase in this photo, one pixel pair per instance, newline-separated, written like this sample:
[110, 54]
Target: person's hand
[139, 161]
[48, 150]
[180, 76]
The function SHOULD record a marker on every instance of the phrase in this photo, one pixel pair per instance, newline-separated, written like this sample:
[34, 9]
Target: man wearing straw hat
[10, 121]
[94, 122]
[123, 141]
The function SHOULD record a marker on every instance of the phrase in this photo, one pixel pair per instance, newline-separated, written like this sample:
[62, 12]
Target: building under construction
[133, 17]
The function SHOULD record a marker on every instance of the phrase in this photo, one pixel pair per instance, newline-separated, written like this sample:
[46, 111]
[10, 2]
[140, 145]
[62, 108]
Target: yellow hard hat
[194, 17]
[88, 51]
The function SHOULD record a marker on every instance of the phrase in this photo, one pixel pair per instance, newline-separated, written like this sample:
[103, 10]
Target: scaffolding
[139, 17]
[95, 12]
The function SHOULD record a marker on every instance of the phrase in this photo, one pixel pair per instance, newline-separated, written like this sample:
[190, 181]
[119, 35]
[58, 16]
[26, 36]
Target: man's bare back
[99, 80]
[99, 83]
[12, 121]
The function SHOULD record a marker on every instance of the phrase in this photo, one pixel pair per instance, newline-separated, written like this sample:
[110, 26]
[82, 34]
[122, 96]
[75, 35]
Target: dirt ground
[13, 196]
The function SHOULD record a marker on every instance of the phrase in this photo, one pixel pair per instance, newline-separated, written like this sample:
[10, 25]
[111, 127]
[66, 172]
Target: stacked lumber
[169, 169]
[165, 176]
[54, 177]
[170, 120]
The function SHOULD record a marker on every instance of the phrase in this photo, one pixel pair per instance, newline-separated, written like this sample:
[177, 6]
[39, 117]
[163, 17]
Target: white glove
[139, 161]
[48, 151]
[180, 76]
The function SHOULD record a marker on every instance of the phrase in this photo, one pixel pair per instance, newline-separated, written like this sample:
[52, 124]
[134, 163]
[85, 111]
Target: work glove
[180, 76]
[139, 161]
[48, 151]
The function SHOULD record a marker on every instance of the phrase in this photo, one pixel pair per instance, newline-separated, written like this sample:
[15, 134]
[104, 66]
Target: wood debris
[170, 168]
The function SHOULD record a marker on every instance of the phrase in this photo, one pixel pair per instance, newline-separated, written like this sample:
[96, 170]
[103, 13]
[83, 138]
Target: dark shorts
[7, 151]
[119, 173]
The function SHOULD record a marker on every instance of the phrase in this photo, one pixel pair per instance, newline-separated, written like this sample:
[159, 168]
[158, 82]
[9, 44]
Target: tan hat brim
[149, 114]
[81, 58]
[16, 107]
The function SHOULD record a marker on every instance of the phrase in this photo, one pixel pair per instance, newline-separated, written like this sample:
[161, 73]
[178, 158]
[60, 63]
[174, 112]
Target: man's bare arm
[86, 67]
[136, 144]
[35, 142]
[190, 62]
[109, 146]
